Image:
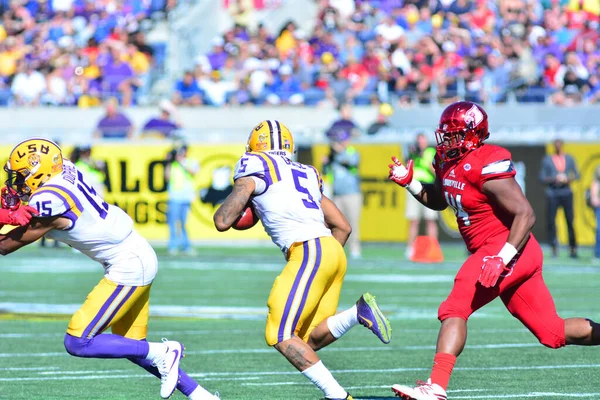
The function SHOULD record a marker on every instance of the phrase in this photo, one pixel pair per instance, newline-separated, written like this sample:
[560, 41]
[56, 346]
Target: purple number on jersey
[310, 203]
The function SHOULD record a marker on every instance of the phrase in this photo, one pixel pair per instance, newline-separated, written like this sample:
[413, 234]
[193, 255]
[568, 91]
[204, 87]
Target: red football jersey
[479, 221]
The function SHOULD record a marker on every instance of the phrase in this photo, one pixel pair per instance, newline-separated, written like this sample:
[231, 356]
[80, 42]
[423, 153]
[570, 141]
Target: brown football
[247, 220]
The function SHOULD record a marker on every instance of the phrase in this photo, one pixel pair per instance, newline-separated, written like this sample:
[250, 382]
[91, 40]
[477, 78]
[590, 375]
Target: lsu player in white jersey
[310, 231]
[70, 211]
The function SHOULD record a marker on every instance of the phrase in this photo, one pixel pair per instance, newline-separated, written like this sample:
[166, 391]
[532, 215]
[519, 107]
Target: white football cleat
[168, 367]
[423, 391]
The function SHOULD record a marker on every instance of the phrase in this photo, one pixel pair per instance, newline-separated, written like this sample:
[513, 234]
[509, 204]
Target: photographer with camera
[179, 174]
[422, 155]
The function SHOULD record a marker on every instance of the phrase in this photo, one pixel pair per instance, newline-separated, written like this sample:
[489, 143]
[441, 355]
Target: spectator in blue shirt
[285, 89]
[187, 91]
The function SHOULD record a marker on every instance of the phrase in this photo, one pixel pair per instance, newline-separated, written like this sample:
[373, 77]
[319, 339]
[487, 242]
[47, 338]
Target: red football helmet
[463, 127]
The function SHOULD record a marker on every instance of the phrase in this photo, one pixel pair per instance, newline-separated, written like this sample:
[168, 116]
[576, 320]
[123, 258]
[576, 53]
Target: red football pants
[523, 292]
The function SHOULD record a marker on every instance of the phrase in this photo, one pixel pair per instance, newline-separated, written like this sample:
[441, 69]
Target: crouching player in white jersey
[70, 211]
[310, 230]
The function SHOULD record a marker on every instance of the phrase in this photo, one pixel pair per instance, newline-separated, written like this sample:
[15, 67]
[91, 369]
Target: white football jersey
[289, 204]
[101, 231]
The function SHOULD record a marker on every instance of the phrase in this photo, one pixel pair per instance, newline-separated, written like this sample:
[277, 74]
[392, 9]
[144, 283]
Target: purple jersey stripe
[310, 280]
[274, 165]
[103, 309]
[60, 197]
[67, 191]
[271, 135]
[72, 216]
[290, 299]
[109, 320]
[264, 178]
[267, 175]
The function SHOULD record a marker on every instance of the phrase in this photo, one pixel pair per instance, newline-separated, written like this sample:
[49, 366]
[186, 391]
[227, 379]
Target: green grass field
[216, 305]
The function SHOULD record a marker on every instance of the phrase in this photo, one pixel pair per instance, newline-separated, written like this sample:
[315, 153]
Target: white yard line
[91, 375]
[268, 350]
[28, 369]
[541, 395]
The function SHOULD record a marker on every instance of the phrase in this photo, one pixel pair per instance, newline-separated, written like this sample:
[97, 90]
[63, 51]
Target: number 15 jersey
[97, 229]
[289, 202]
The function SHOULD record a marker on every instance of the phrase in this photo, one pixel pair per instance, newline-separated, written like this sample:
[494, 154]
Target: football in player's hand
[247, 220]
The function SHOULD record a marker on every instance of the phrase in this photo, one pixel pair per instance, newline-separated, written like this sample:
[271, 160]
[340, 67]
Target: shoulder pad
[258, 164]
[54, 200]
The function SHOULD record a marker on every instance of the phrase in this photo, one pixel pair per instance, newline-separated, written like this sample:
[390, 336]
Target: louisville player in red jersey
[495, 221]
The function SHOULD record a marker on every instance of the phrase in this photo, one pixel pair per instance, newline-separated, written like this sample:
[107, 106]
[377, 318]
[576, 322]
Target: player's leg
[597, 245]
[104, 303]
[532, 304]
[325, 327]
[172, 222]
[431, 217]
[552, 208]
[413, 214]
[293, 298]
[134, 325]
[466, 297]
[354, 209]
[183, 215]
[567, 203]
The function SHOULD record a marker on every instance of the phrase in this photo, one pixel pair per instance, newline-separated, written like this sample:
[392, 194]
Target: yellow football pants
[307, 291]
[122, 308]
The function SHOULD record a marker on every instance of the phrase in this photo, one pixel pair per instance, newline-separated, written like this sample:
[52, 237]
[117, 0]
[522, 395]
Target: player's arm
[234, 204]
[335, 220]
[507, 194]
[429, 194]
[24, 235]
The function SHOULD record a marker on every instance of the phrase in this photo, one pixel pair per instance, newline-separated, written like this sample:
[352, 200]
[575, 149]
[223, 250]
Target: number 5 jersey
[99, 230]
[287, 198]
[479, 220]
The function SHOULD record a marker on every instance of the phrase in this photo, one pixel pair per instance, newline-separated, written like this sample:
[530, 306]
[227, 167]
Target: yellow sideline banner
[136, 183]
[587, 158]
[382, 217]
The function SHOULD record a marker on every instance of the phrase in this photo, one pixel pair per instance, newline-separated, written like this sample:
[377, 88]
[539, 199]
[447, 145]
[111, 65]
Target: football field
[215, 304]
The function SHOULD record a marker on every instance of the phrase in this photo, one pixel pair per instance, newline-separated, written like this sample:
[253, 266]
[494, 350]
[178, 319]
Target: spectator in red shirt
[356, 74]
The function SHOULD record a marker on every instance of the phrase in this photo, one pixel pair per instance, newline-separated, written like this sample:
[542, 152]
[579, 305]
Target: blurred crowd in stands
[406, 51]
[77, 52]
[85, 52]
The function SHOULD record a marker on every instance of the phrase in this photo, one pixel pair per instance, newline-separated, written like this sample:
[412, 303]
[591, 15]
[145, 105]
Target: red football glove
[22, 216]
[400, 174]
[492, 268]
[9, 199]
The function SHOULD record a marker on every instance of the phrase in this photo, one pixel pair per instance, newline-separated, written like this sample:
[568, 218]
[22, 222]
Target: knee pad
[75, 346]
[449, 310]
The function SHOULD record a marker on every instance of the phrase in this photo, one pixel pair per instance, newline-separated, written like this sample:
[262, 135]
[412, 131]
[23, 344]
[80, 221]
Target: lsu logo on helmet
[31, 164]
[271, 137]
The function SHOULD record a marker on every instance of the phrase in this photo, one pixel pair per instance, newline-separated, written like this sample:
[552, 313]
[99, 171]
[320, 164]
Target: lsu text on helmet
[31, 164]
[463, 127]
[271, 137]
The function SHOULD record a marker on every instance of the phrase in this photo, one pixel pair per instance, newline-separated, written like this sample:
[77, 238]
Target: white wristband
[414, 187]
[507, 253]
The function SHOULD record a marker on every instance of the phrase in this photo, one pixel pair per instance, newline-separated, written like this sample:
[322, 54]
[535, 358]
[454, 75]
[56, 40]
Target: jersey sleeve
[56, 203]
[319, 179]
[497, 165]
[258, 166]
